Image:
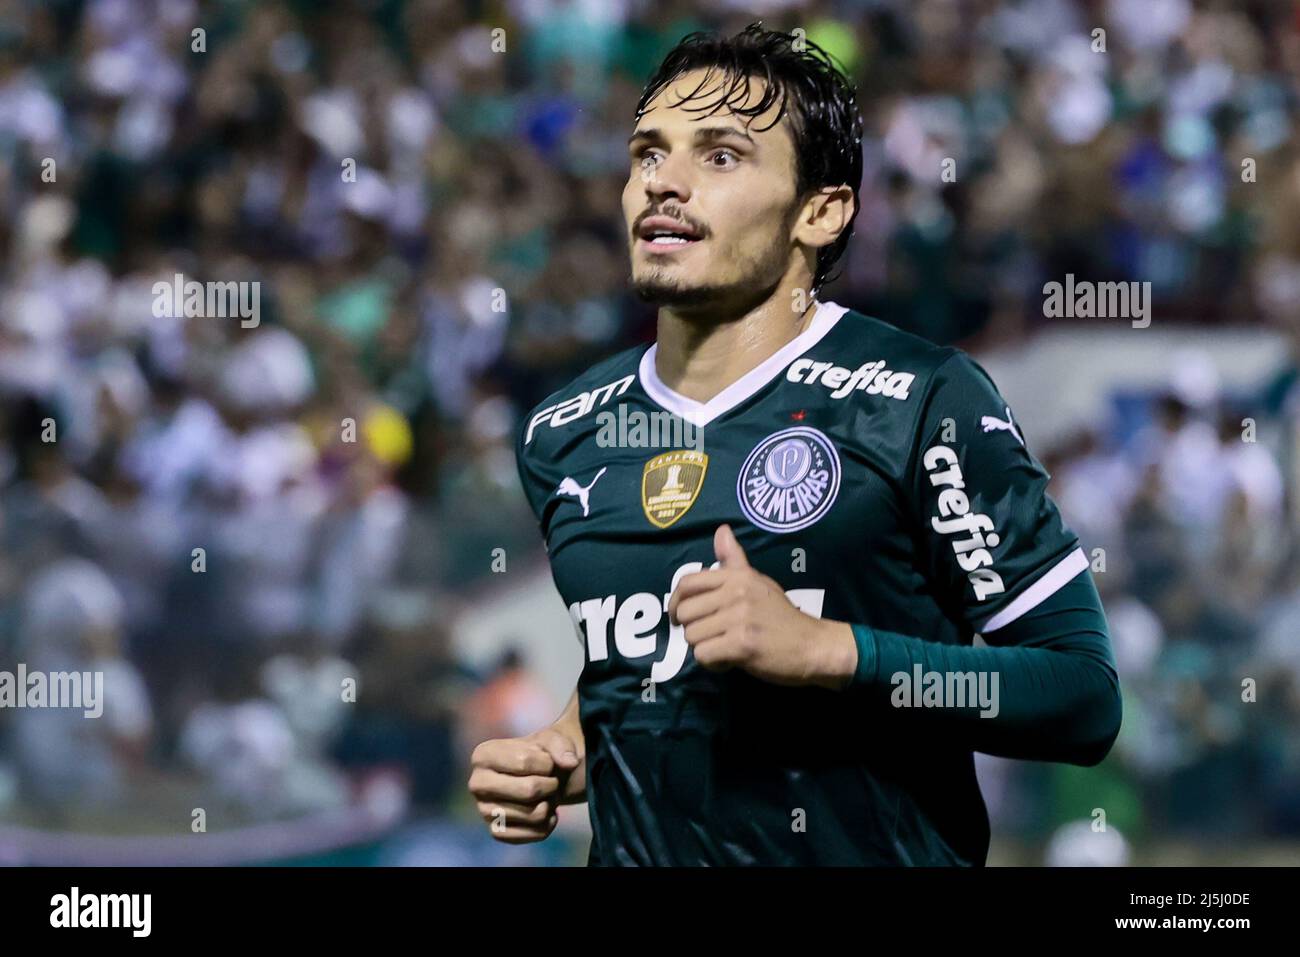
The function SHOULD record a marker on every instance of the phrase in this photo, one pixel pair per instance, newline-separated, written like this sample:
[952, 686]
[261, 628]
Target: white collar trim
[702, 413]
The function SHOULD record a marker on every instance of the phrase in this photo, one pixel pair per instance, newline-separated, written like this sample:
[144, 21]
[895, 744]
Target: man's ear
[825, 215]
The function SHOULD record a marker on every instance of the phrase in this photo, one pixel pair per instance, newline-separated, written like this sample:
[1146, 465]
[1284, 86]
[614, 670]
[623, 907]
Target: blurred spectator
[79, 755]
[510, 704]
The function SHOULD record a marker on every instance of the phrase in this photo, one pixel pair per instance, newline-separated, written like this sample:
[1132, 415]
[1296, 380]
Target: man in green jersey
[778, 600]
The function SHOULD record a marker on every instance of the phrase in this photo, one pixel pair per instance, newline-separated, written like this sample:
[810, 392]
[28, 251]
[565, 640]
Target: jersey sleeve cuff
[864, 675]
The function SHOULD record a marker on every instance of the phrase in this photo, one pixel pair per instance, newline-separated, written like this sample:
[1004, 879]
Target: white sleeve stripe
[1041, 590]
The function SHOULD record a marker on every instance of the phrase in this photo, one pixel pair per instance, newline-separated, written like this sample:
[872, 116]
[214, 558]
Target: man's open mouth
[663, 232]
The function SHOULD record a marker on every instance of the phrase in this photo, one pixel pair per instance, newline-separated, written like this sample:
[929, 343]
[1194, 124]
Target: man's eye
[647, 160]
[728, 155]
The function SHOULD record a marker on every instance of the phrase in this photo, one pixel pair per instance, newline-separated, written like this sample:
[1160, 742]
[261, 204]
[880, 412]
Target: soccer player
[779, 617]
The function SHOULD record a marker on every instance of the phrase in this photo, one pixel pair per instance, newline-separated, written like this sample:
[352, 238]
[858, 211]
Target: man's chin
[676, 293]
[703, 299]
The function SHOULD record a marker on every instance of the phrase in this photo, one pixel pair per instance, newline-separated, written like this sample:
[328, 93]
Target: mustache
[698, 227]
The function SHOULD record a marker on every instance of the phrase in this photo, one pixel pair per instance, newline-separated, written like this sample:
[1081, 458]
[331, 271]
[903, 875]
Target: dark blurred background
[432, 212]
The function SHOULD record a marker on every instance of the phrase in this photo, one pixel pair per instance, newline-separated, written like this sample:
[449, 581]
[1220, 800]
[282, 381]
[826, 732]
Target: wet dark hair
[811, 88]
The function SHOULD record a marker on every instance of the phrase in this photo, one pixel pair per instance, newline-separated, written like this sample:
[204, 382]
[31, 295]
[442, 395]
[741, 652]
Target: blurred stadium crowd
[477, 171]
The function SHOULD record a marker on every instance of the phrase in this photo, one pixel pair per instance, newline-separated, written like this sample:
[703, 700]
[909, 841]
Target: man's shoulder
[866, 336]
[597, 386]
[868, 359]
[926, 367]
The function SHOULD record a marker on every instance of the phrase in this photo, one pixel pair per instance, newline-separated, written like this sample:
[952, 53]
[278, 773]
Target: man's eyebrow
[705, 135]
[710, 133]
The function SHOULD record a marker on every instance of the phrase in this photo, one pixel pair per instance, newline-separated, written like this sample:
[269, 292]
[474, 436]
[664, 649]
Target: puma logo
[990, 424]
[571, 487]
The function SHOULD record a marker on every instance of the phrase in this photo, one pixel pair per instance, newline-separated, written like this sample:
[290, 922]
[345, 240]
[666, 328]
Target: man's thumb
[727, 548]
[561, 749]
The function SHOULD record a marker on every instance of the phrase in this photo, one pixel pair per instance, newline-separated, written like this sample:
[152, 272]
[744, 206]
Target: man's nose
[667, 179]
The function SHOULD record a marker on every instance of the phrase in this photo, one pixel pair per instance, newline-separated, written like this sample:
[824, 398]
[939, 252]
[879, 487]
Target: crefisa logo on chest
[789, 480]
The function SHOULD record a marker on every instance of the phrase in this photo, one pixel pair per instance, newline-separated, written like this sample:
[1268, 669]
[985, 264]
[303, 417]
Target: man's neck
[698, 358]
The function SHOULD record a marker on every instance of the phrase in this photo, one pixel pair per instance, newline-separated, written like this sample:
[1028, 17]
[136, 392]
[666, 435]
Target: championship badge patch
[670, 484]
[789, 480]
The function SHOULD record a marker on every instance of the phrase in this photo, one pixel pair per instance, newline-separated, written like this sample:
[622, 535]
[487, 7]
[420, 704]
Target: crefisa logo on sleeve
[790, 480]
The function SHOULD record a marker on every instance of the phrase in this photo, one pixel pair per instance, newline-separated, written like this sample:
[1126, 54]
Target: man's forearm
[1050, 690]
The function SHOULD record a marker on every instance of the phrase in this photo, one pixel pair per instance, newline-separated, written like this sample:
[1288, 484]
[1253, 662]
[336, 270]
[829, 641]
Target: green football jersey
[880, 479]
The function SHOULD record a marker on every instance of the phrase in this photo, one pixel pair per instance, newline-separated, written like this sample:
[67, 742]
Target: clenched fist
[519, 782]
[737, 617]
